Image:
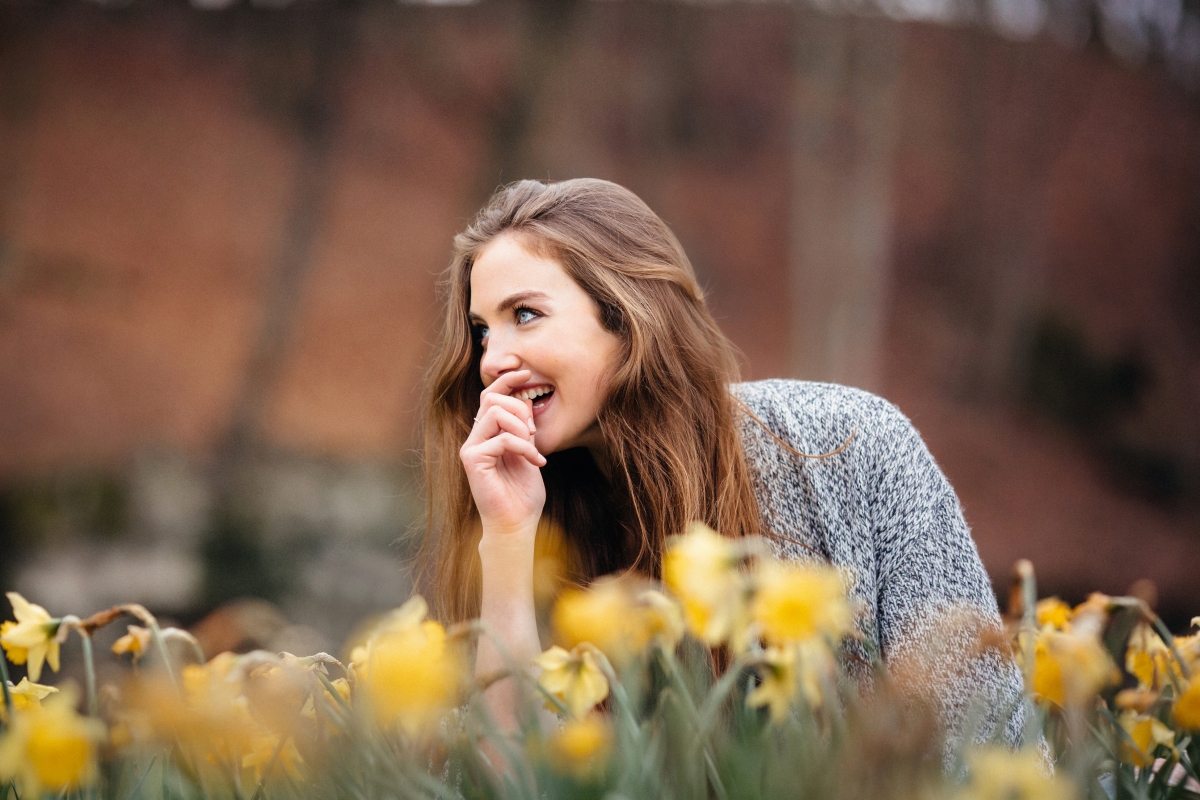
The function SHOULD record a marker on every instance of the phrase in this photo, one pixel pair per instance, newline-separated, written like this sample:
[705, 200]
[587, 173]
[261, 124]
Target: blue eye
[480, 332]
[525, 315]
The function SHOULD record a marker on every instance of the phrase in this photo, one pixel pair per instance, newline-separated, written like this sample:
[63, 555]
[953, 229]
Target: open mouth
[540, 395]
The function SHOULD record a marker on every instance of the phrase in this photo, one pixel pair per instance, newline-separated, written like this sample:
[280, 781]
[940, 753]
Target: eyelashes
[522, 315]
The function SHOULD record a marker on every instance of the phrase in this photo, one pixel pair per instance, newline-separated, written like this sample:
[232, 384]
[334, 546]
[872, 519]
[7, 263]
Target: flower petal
[25, 611]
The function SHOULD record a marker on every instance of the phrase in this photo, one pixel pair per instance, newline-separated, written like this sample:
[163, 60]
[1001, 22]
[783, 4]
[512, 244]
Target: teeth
[534, 392]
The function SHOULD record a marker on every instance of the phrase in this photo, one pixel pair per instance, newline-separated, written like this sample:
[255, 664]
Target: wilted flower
[1147, 734]
[1070, 668]
[1000, 774]
[135, 642]
[413, 676]
[574, 678]
[701, 569]
[31, 639]
[50, 748]
[581, 746]
[794, 604]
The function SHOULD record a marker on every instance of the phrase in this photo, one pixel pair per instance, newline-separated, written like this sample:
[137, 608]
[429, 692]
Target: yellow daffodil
[1187, 708]
[659, 619]
[49, 747]
[136, 642]
[1189, 648]
[31, 639]
[1000, 774]
[701, 569]
[581, 746]
[785, 672]
[793, 604]
[409, 615]
[413, 675]
[601, 615]
[255, 762]
[574, 678]
[1149, 660]
[777, 686]
[26, 694]
[1069, 668]
[617, 619]
[1053, 613]
[210, 719]
[1147, 734]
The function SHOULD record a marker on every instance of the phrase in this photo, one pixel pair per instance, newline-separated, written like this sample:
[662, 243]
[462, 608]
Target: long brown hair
[668, 420]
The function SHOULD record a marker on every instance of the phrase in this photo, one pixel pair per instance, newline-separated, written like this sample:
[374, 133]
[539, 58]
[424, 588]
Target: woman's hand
[502, 463]
[503, 468]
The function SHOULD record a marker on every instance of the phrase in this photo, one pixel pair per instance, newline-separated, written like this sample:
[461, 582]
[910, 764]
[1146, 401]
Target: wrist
[508, 541]
[506, 557]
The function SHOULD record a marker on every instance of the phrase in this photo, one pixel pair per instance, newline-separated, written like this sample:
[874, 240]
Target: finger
[521, 409]
[505, 443]
[507, 382]
[498, 420]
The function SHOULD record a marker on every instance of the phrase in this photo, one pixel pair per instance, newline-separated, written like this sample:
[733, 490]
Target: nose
[499, 357]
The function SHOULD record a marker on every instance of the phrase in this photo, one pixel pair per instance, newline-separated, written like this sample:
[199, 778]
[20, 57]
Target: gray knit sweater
[883, 508]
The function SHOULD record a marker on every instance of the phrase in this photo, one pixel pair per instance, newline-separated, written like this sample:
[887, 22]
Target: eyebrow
[514, 300]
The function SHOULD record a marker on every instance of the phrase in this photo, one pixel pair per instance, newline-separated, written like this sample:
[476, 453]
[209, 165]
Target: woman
[582, 385]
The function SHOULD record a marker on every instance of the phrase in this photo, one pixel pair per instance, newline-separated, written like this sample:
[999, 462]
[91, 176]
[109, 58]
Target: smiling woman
[582, 389]
[537, 328]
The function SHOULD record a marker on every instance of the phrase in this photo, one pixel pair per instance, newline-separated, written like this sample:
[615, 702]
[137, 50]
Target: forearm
[507, 609]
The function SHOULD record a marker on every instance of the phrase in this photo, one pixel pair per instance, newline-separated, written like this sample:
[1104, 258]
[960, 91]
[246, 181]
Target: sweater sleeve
[935, 607]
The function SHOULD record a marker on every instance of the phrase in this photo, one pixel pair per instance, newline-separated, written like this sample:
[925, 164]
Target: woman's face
[530, 315]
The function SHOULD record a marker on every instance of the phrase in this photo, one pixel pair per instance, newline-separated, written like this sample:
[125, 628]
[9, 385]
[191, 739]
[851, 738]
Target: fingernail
[532, 427]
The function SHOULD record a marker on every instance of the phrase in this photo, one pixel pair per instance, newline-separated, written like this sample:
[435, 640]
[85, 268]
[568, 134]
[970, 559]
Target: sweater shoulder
[817, 417]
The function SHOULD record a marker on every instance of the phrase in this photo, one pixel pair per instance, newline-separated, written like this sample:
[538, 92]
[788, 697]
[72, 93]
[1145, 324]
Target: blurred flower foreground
[740, 677]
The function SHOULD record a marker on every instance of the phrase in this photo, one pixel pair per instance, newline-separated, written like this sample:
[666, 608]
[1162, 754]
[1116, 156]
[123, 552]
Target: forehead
[506, 267]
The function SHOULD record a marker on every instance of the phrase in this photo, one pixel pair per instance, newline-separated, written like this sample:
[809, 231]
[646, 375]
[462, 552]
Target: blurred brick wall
[144, 186]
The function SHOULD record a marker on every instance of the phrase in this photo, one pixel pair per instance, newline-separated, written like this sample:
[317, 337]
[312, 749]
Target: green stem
[89, 673]
[8, 703]
[161, 646]
[337, 696]
[137, 787]
[1161, 629]
[1028, 621]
